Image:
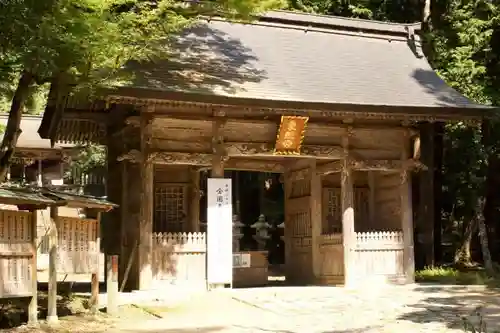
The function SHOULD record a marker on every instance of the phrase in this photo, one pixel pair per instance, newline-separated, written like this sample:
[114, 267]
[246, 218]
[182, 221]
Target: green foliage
[89, 41]
[90, 158]
[449, 275]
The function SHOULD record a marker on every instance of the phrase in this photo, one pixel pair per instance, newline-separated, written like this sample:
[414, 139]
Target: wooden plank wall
[387, 202]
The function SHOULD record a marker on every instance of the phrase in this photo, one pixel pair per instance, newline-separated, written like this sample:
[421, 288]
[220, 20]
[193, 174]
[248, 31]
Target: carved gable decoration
[290, 135]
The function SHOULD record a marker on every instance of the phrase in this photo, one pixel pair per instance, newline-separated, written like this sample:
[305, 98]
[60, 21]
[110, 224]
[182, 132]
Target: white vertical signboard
[219, 231]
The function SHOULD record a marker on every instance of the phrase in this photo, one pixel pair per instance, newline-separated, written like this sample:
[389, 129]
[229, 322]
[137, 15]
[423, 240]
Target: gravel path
[330, 310]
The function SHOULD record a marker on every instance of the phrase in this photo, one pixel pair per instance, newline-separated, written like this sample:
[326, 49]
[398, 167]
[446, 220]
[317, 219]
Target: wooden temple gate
[346, 145]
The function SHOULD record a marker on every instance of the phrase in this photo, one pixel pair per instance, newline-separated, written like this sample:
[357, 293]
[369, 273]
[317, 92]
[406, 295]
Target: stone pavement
[395, 309]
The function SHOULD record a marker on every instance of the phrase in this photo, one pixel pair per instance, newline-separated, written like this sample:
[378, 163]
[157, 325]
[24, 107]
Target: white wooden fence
[379, 255]
[179, 258]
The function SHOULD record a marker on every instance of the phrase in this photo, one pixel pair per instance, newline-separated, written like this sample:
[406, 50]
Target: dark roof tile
[377, 65]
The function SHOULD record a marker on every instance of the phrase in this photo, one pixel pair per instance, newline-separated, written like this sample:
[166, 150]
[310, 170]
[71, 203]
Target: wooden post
[348, 219]
[146, 209]
[33, 306]
[236, 193]
[316, 219]
[407, 216]
[218, 150]
[195, 200]
[94, 284]
[52, 295]
[287, 231]
[217, 163]
[112, 284]
[371, 203]
[426, 185]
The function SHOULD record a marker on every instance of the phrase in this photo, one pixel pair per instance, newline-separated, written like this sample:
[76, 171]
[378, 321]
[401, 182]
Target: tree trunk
[13, 128]
[483, 237]
[462, 255]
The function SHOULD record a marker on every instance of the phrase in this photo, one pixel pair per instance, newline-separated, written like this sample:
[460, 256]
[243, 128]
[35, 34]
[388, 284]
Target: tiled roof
[50, 197]
[29, 137]
[20, 196]
[78, 201]
[300, 57]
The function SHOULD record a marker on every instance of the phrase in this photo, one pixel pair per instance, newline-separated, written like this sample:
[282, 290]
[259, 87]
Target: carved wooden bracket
[328, 168]
[248, 148]
[181, 158]
[134, 156]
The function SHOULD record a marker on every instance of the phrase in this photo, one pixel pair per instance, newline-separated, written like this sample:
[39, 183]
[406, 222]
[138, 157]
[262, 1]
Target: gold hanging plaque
[290, 135]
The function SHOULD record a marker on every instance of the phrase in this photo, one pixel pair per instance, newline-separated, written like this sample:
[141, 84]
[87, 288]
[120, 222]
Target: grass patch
[451, 275]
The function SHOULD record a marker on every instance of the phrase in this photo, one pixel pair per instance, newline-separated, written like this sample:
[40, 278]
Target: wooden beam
[370, 165]
[254, 165]
[312, 126]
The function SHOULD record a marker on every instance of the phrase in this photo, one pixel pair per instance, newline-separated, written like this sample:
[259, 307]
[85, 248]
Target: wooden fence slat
[77, 246]
[179, 257]
[15, 253]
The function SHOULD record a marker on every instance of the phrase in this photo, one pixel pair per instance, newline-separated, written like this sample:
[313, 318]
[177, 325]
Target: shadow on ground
[454, 305]
[14, 312]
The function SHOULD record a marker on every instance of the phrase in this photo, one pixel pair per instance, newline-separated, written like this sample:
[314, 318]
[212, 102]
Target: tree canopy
[87, 42]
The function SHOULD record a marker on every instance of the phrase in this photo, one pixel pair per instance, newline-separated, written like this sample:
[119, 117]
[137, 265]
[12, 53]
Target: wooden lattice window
[332, 209]
[170, 208]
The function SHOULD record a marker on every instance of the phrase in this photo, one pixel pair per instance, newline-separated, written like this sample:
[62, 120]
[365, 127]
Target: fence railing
[379, 253]
[179, 257]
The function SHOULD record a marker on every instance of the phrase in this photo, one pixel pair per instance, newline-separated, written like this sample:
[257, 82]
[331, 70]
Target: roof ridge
[345, 32]
[356, 19]
[337, 22]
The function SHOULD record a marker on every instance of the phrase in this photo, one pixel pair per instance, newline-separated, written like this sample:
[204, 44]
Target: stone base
[255, 275]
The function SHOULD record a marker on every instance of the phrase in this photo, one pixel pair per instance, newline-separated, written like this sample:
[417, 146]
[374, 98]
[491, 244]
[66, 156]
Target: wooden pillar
[218, 150]
[371, 203]
[194, 215]
[347, 204]
[236, 193]
[407, 215]
[287, 230]
[316, 219]
[146, 206]
[33, 306]
[426, 204]
[52, 294]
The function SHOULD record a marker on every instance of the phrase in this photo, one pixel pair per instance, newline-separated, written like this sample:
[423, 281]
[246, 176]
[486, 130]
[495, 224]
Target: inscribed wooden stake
[94, 284]
[33, 306]
[112, 284]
